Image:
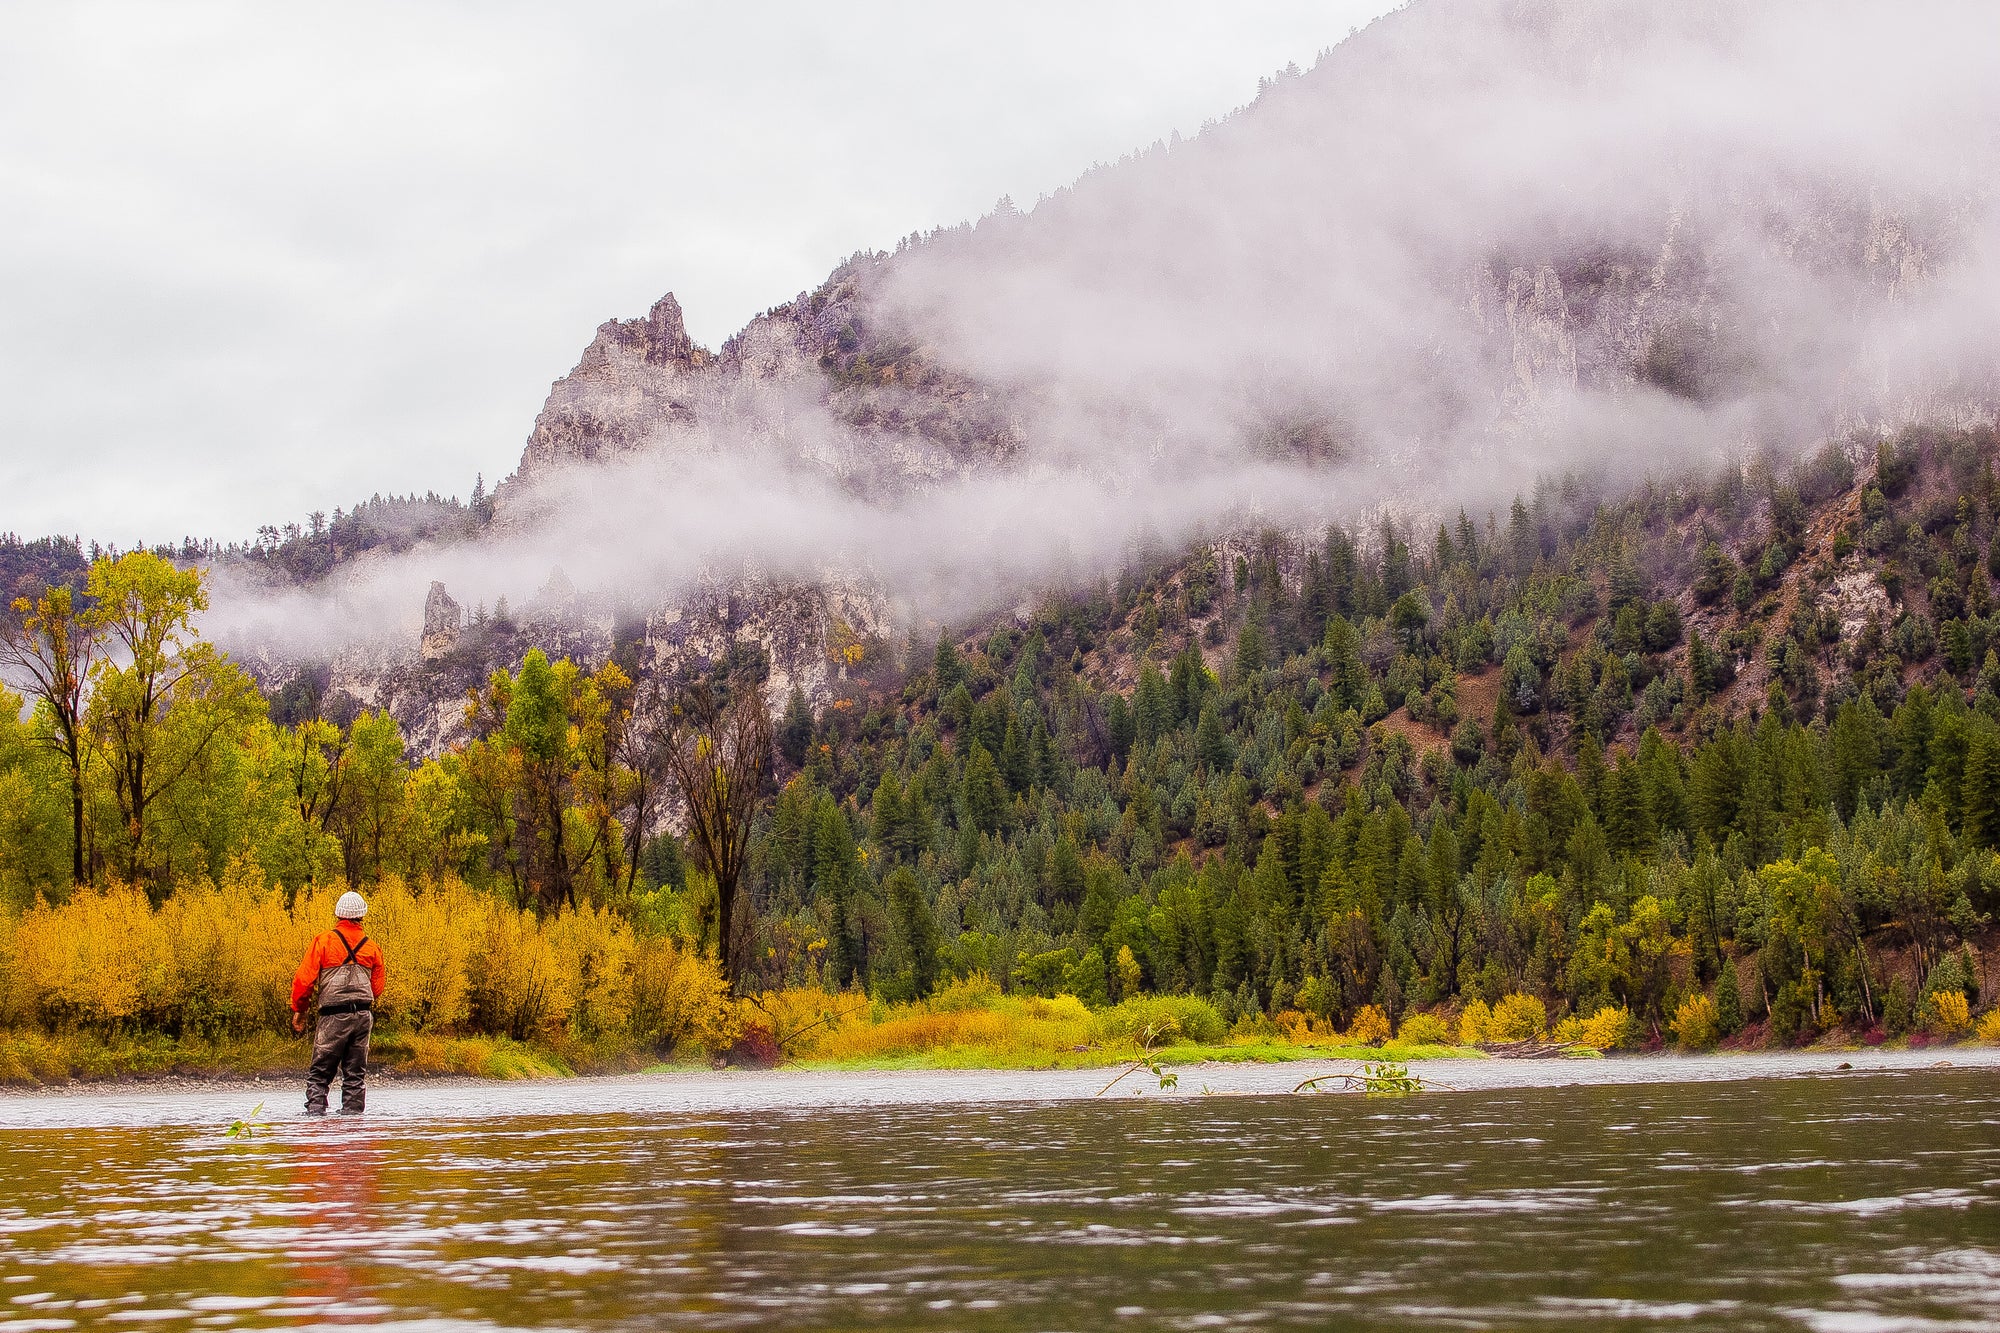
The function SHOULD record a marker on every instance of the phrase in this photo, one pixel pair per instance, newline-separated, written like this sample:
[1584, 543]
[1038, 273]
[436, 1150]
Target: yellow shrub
[801, 1017]
[1946, 1013]
[1694, 1024]
[1607, 1029]
[216, 960]
[1424, 1030]
[221, 966]
[1989, 1027]
[517, 989]
[33, 1057]
[977, 991]
[1517, 1018]
[431, 942]
[88, 962]
[274, 941]
[918, 1032]
[680, 999]
[593, 949]
[1158, 1020]
[1302, 1029]
[1010, 1030]
[1370, 1026]
[1474, 1023]
[1058, 1009]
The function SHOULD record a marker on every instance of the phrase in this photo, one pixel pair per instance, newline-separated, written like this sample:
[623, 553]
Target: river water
[1605, 1194]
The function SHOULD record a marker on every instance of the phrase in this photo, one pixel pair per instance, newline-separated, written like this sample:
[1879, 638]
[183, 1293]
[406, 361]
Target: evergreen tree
[1520, 681]
[947, 667]
[835, 870]
[1728, 1000]
[1151, 714]
[795, 731]
[1408, 617]
[1211, 746]
[984, 793]
[1341, 645]
[1252, 646]
[1981, 787]
[890, 826]
[1854, 755]
[1064, 875]
[1625, 584]
[919, 928]
[1120, 726]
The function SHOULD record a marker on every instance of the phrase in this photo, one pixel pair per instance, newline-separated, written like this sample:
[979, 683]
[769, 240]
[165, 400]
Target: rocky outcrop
[1856, 598]
[442, 622]
[812, 637]
[630, 382]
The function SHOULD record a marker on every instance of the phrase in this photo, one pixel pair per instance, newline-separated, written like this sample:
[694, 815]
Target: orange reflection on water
[336, 1167]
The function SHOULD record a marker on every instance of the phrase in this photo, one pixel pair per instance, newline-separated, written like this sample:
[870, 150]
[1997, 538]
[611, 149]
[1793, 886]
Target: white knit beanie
[350, 907]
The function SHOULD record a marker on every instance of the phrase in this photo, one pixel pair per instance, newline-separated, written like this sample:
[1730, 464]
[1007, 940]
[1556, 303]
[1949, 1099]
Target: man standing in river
[345, 967]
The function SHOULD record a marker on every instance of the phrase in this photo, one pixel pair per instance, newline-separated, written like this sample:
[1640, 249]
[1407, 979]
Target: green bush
[1424, 1030]
[1172, 1018]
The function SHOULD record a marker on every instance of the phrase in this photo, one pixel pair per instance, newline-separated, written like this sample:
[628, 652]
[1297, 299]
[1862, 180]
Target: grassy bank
[1189, 1053]
[38, 1059]
[970, 1024]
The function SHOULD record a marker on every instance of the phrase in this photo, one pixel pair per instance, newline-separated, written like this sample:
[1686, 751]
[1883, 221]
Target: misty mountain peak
[620, 390]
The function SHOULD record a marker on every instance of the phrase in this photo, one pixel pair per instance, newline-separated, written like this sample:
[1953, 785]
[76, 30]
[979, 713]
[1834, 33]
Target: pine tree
[1150, 714]
[1016, 761]
[890, 826]
[1408, 617]
[1252, 645]
[1728, 1000]
[1342, 647]
[1188, 683]
[835, 870]
[1853, 753]
[795, 730]
[1715, 573]
[1980, 792]
[947, 668]
[1520, 682]
[919, 927]
[1120, 727]
[1064, 875]
[1625, 583]
[1211, 746]
[1627, 822]
[985, 794]
[1523, 546]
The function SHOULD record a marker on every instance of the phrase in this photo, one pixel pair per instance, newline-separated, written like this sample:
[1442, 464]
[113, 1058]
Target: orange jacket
[330, 950]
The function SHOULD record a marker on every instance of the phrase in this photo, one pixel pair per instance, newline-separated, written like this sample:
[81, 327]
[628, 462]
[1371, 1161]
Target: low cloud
[1483, 240]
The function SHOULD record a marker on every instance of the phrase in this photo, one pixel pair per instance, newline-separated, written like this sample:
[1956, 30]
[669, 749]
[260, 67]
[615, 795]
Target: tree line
[1633, 751]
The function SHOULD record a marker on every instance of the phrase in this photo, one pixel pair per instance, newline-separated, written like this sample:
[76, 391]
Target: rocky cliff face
[809, 637]
[1484, 240]
[632, 381]
[1470, 231]
[443, 619]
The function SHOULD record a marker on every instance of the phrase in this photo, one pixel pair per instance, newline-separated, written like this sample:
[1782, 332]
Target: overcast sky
[264, 259]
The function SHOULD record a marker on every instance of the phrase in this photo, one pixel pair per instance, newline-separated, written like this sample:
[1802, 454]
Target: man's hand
[298, 1021]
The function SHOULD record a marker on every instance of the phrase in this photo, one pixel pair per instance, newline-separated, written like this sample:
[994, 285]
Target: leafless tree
[643, 751]
[717, 753]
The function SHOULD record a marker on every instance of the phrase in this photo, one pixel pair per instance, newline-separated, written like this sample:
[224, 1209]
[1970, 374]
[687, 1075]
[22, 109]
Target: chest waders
[347, 987]
[340, 1038]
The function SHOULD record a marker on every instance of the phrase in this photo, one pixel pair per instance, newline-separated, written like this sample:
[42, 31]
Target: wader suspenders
[356, 1006]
